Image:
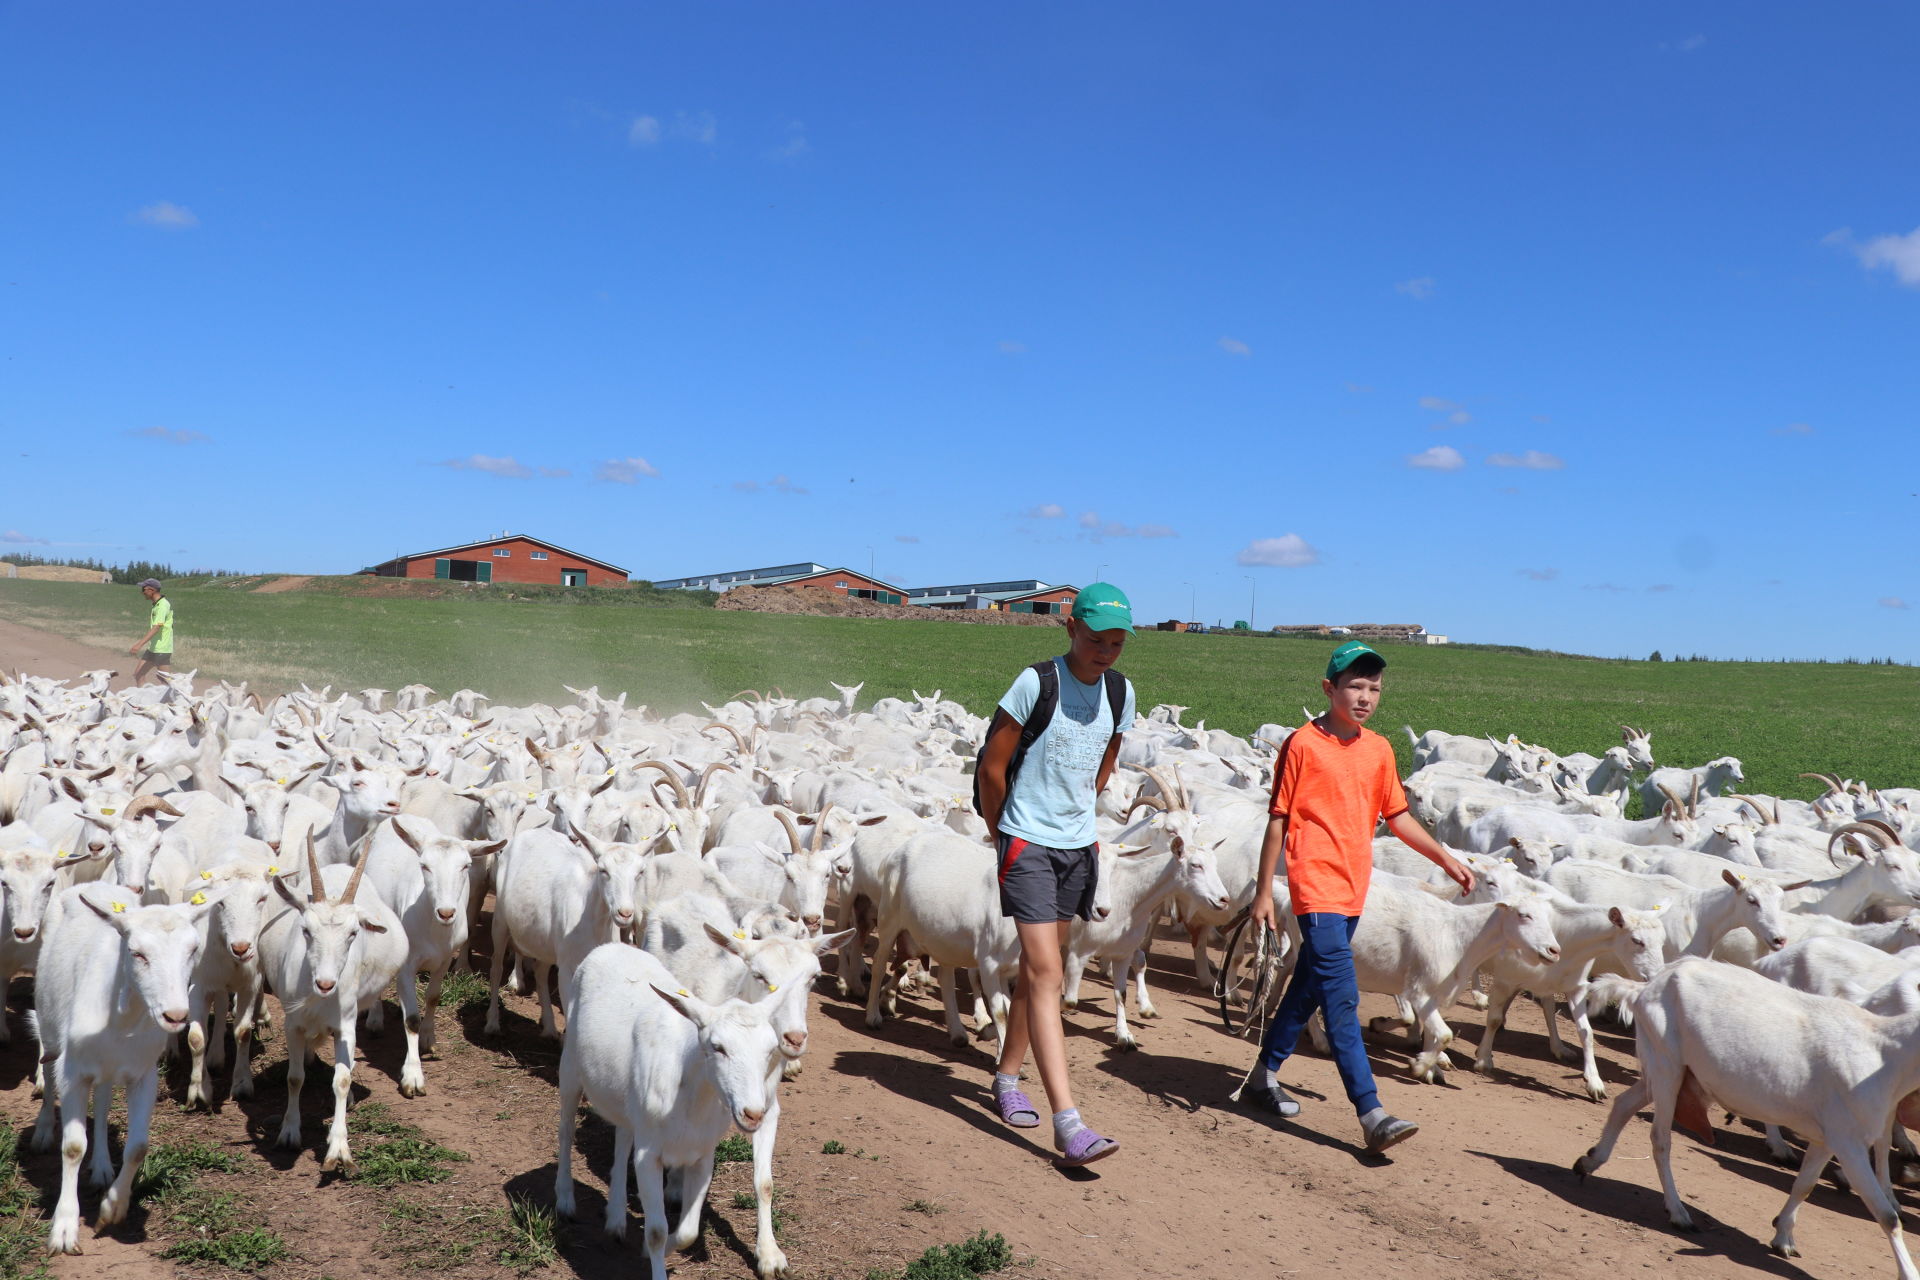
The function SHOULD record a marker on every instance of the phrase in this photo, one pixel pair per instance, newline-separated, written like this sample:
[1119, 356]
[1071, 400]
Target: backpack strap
[1044, 705]
[1116, 697]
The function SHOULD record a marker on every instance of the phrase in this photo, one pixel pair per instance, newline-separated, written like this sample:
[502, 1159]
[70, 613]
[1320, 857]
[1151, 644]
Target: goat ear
[114, 913]
[874, 821]
[68, 785]
[371, 925]
[686, 1004]
[831, 941]
[1617, 916]
[481, 848]
[735, 945]
[405, 835]
[283, 885]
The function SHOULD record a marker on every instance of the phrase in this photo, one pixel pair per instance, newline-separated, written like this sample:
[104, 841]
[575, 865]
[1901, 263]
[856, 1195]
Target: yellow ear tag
[281, 781]
[609, 773]
[771, 987]
[685, 992]
[206, 875]
[673, 826]
[740, 934]
[107, 812]
[60, 854]
[273, 871]
[533, 795]
[198, 900]
[119, 906]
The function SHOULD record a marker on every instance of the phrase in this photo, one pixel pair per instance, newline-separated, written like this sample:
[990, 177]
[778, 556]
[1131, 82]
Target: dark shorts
[1040, 885]
[157, 659]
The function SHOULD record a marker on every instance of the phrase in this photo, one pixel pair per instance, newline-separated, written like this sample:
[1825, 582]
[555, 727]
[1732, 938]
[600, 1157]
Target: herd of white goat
[170, 858]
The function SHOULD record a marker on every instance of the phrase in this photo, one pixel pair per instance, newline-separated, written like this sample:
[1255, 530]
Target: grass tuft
[529, 1237]
[23, 1236]
[401, 1154]
[216, 1235]
[171, 1168]
[733, 1149]
[833, 1147]
[977, 1255]
[462, 991]
[928, 1207]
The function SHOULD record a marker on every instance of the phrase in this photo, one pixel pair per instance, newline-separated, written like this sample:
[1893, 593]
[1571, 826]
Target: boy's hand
[1458, 872]
[1261, 909]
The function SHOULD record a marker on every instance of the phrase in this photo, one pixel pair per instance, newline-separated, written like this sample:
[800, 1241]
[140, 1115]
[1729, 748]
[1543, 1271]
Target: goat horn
[820, 827]
[353, 882]
[706, 776]
[1877, 833]
[1167, 793]
[793, 832]
[1693, 798]
[144, 805]
[1755, 805]
[757, 695]
[316, 892]
[1672, 799]
[1891, 834]
[1146, 802]
[1833, 784]
[1269, 741]
[732, 732]
[679, 787]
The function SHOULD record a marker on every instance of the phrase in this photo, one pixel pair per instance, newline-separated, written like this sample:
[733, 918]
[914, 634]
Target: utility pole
[1253, 597]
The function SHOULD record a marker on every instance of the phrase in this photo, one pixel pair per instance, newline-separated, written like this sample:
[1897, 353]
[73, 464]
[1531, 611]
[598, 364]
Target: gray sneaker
[1389, 1131]
[1270, 1098]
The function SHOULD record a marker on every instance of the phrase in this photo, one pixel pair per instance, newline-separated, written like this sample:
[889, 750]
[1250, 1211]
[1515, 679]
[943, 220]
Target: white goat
[556, 901]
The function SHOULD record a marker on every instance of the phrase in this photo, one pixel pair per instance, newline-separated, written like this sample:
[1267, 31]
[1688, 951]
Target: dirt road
[47, 653]
[1198, 1189]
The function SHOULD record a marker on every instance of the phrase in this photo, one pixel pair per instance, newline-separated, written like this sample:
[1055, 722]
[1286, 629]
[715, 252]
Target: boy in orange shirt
[1334, 782]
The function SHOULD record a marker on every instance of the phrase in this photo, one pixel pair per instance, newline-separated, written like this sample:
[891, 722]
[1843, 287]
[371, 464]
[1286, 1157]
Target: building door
[464, 570]
[573, 577]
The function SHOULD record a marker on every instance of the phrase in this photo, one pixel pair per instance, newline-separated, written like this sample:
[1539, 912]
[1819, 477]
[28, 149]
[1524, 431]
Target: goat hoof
[1683, 1223]
[772, 1265]
[1581, 1168]
[1147, 1011]
[1128, 1044]
[1597, 1092]
[873, 1021]
[1784, 1249]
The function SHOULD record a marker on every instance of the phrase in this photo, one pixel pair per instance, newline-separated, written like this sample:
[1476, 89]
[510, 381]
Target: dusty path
[48, 653]
[1198, 1189]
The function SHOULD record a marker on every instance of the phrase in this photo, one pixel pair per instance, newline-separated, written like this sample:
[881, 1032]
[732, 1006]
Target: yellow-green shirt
[162, 617]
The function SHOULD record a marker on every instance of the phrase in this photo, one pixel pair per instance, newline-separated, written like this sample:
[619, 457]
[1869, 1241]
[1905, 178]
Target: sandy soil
[1198, 1188]
[49, 572]
[47, 653]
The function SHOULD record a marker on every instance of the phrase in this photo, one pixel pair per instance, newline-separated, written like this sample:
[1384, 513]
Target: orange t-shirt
[1333, 794]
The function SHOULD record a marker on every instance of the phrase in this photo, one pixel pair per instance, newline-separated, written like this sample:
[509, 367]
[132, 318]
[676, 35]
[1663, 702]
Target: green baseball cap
[1344, 657]
[1101, 606]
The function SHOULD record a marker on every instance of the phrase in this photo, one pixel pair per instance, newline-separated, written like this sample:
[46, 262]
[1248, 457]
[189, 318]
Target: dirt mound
[292, 582]
[50, 572]
[827, 602]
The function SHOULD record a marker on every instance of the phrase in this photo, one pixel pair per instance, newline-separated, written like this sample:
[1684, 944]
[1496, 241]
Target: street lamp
[869, 562]
[1100, 574]
[1253, 597]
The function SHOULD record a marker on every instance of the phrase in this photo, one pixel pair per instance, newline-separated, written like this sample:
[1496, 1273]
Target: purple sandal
[1086, 1146]
[1017, 1109]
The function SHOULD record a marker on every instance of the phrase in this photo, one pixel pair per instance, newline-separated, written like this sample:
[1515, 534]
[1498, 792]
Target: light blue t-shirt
[1052, 798]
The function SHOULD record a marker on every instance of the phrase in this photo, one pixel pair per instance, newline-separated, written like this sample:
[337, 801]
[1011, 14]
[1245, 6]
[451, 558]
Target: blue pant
[1323, 979]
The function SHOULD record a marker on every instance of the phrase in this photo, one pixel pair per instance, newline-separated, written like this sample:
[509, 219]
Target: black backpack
[1043, 709]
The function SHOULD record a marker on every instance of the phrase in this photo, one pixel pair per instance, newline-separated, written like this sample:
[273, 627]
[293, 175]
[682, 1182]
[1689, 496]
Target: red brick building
[1050, 600]
[511, 557]
[847, 583]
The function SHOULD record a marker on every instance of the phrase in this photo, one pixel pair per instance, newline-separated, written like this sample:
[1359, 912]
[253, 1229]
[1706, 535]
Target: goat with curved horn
[1693, 798]
[793, 833]
[1766, 819]
[730, 731]
[1679, 805]
[1833, 783]
[706, 778]
[1146, 802]
[1878, 832]
[820, 827]
[672, 777]
[316, 892]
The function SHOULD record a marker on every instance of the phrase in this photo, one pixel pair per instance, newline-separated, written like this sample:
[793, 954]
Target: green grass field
[1779, 718]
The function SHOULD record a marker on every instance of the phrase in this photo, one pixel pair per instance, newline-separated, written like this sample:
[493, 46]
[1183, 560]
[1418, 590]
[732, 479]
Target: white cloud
[1898, 254]
[1438, 404]
[166, 215]
[1539, 575]
[1045, 511]
[624, 470]
[1688, 44]
[18, 538]
[644, 131]
[1089, 519]
[1531, 460]
[1603, 586]
[1792, 429]
[1420, 288]
[169, 435]
[1442, 457]
[1661, 588]
[1235, 347]
[795, 147]
[1892, 602]
[1358, 389]
[906, 537]
[1156, 531]
[1288, 551]
[779, 484]
[696, 126]
[508, 468]
[1013, 348]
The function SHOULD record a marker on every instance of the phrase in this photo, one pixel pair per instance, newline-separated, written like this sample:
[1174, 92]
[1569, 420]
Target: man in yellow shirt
[159, 633]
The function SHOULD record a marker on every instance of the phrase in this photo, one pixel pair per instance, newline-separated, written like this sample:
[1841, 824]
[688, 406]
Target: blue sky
[1593, 330]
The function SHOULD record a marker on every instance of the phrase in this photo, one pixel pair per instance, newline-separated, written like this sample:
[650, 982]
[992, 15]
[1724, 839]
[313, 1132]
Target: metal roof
[506, 537]
[821, 573]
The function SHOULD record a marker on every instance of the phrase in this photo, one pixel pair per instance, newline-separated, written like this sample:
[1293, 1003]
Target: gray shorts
[1041, 885]
[157, 659]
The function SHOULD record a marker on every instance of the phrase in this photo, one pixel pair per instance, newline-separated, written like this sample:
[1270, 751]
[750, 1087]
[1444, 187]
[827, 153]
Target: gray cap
[150, 582]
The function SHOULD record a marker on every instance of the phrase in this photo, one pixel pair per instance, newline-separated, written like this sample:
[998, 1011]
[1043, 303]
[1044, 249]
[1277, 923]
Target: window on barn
[502, 552]
[538, 555]
[842, 585]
